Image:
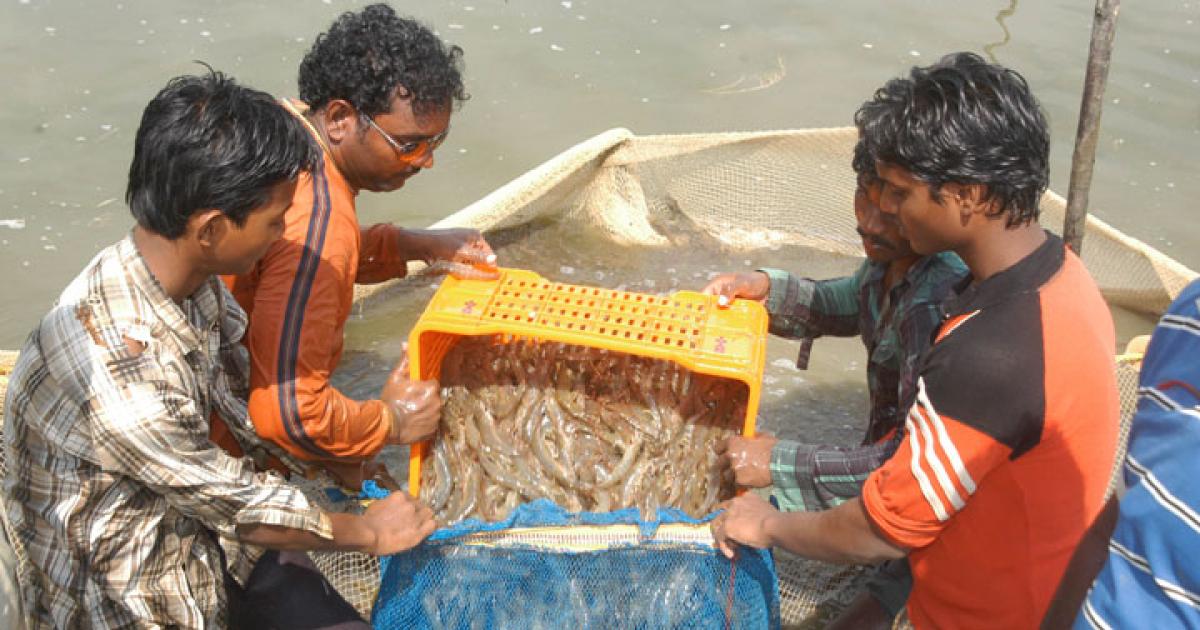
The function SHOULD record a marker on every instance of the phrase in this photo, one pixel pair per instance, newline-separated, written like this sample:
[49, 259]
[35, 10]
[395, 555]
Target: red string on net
[729, 597]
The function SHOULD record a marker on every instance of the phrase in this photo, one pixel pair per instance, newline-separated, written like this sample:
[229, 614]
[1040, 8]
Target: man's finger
[429, 411]
[476, 255]
[474, 271]
[480, 244]
[431, 408]
[425, 415]
[425, 389]
[402, 365]
[487, 255]
[727, 545]
[400, 373]
[727, 548]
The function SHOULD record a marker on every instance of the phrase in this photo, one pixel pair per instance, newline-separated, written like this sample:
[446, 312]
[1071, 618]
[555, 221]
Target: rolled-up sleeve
[156, 435]
[380, 257]
[801, 308]
[812, 477]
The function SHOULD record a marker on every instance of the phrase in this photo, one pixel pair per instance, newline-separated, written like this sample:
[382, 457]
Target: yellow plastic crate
[685, 327]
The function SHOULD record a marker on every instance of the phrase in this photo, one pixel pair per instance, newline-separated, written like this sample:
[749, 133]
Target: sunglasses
[410, 150]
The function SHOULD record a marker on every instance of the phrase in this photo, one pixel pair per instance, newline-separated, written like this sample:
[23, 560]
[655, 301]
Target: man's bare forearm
[843, 535]
[413, 242]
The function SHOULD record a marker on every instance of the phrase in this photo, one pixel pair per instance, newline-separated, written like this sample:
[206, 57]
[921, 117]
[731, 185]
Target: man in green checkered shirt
[892, 302]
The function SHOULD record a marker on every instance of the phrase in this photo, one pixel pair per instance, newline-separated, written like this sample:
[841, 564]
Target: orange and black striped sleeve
[298, 299]
[980, 403]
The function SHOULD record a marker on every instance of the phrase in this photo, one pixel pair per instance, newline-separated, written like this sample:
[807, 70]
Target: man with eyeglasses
[376, 93]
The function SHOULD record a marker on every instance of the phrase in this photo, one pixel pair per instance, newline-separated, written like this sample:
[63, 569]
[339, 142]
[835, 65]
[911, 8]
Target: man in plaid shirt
[892, 302]
[129, 514]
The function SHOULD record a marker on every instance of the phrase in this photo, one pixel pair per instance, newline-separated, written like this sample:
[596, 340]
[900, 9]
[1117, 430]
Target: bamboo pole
[1104, 27]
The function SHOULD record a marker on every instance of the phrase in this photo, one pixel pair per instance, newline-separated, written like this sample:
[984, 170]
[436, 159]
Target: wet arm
[843, 535]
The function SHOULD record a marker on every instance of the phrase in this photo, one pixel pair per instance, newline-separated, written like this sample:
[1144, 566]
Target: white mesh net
[354, 575]
[755, 190]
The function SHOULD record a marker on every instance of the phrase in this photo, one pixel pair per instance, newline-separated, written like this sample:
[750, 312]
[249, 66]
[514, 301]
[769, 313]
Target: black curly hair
[207, 142]
[864, 165]
[966, 121]
[366, 56]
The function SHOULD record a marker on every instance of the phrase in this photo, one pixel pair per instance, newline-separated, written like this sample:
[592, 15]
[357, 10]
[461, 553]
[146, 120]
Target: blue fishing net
[466, 577]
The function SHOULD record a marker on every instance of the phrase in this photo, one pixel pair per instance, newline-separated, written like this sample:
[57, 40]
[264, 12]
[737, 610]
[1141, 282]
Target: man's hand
[462, 252]
[414, 406]
[750, 285]
[747, 520]
[398, 522]
[747, 459]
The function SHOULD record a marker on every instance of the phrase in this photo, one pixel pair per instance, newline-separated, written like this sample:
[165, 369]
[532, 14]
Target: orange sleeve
[933, 474]
[380, 258]
[298, 308]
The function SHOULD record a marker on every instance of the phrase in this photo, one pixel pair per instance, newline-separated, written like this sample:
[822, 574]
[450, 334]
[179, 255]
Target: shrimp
[557, 470]
[622, 468]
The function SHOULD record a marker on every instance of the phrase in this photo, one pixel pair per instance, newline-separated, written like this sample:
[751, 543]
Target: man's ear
[341, 120]
[209, 227]
[968, 199]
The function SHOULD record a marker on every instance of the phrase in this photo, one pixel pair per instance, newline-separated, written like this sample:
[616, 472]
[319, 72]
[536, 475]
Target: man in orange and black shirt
[1011, 439]
[377, 92]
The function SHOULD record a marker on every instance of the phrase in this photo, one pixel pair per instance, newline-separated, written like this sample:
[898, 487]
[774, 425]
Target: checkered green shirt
[896, 326]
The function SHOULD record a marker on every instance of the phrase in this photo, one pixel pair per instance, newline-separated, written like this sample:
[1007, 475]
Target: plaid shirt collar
[208, 302]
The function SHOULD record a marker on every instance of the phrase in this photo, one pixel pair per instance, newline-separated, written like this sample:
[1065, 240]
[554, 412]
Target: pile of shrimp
[590, 429]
